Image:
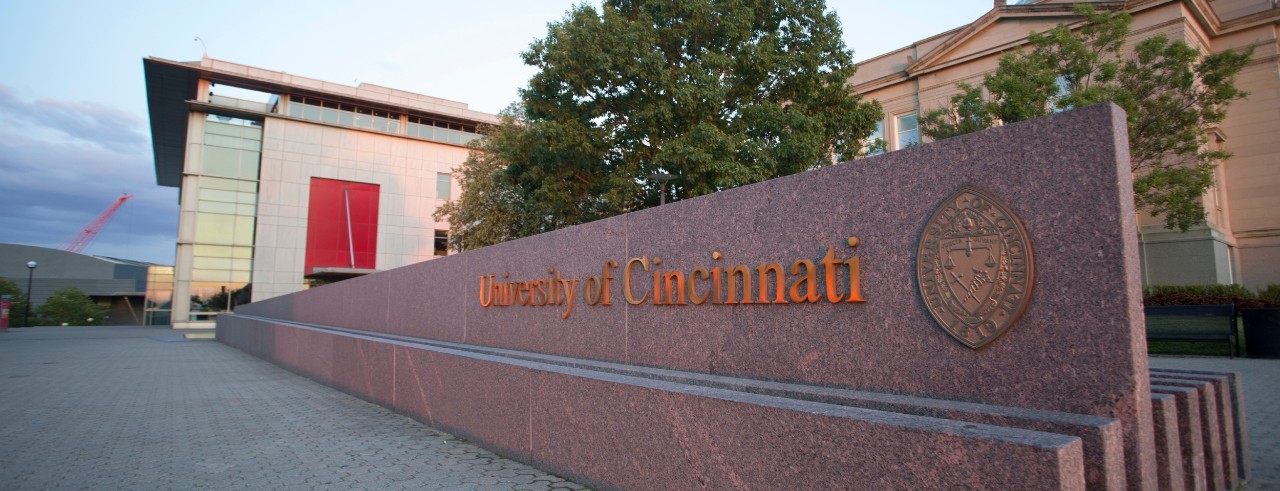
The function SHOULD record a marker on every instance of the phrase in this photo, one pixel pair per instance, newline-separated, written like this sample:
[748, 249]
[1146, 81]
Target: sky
[74, 130]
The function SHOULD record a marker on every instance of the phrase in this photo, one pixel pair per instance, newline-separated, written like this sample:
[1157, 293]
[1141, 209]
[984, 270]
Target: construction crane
[81, 239]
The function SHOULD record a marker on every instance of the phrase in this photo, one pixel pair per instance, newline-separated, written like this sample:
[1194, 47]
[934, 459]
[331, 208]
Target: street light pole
[662, 178]
[31, 274]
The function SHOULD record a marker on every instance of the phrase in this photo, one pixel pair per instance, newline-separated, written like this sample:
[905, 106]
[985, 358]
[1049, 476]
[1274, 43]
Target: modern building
[287, 181]
[120, 285]
[1240, 243]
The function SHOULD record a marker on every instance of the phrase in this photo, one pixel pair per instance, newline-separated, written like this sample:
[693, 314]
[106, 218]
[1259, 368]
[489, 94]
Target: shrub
[1271, 292]
[72, 307]
[1237, 295]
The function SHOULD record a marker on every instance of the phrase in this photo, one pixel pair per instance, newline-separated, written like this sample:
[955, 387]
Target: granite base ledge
[599, 427]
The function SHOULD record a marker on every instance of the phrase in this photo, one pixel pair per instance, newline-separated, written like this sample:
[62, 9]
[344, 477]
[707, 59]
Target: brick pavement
[135, 408]
[1262, 409]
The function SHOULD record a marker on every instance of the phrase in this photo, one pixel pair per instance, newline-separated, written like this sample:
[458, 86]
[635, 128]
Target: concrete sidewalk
[1261, 406]
[141, 408]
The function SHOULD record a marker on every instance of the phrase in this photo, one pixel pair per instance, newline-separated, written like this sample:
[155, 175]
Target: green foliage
[1270, 293]
[1237, 295]
[19, 302]
[714, 93]
[1172, 94]
[72, 307]
[968, 113]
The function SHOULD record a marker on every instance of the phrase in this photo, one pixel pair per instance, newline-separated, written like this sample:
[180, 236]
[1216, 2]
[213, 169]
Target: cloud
[50, 189]
[107, 127]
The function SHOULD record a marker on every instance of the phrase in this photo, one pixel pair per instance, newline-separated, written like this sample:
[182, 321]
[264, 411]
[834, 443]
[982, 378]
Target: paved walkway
[139, 408]
[1261, 406]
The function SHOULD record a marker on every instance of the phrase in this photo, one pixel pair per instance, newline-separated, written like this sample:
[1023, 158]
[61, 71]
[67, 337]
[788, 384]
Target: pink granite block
[1065, 354]
[363, 368]
[1102, 437]
[1231, 410]
[574, 253]
[428, 299]
[1168, 445]
[620, 436]
[1216, 461]
[314, 353]
[288, 351]
[359, 303]
[484, 402]
[1187, 402]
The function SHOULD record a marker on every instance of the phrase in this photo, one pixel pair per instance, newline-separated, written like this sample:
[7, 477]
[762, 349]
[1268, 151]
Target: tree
[72, 307]
[714, 94]
[18, 305]
[1173, 95]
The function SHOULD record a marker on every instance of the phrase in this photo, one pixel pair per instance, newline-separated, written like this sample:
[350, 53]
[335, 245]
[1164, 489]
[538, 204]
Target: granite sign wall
[961, 314]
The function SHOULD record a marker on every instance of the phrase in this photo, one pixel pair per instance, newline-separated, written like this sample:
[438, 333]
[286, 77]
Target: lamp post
[31, 274]
[662, 178]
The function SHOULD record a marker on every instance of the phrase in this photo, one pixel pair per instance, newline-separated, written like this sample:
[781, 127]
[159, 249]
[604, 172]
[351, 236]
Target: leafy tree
[18, 305]
[72, 307]
[712, 93]
[1172, 94]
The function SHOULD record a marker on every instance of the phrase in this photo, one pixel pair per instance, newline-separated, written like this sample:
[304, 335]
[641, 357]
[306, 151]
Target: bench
[1193, 323]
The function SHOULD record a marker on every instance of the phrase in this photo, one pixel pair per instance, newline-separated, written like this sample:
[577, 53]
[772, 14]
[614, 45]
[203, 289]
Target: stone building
[287, 181]
[1240, 241]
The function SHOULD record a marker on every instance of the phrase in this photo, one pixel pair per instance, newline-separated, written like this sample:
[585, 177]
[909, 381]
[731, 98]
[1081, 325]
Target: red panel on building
[333, 241]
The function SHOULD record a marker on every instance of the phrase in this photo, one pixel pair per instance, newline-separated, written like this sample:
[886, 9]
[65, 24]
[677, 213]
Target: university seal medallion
[974, 267]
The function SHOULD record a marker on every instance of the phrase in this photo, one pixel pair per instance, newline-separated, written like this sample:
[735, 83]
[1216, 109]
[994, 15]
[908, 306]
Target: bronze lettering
[744, 274]
[809, 280]
[829, 263]
[485, 301]
[780, 290]
[693, 294]
[570, 288]
[606, 278]
[626, 280]
[673, 283]
[591, 291]
[855, 280]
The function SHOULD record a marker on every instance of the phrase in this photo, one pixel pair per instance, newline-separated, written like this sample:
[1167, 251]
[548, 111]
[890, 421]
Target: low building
[1240, 241]
[316, 182]
[120, 285]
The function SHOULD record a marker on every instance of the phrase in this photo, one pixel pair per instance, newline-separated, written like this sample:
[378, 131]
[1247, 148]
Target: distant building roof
[172, 91]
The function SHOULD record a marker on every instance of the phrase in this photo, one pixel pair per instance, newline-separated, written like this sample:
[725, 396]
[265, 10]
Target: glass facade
[159, 303]
[324, 111]
[226, 206]
[343, 114]
[441, 131]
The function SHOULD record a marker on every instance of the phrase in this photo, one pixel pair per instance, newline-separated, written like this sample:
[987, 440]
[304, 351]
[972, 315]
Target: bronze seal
[974, 267]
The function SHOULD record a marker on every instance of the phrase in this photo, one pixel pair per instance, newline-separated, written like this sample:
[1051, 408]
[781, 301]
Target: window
[441, 131]
[442, 186]
[343, 114]
[442, 242]
[874, 144]
[1064, 90]
[908, 131]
